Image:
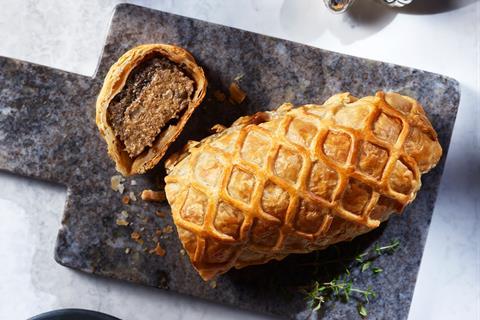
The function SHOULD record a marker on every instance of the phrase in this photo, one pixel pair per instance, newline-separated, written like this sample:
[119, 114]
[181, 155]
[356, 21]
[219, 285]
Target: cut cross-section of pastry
[146, 99]
[296, 180]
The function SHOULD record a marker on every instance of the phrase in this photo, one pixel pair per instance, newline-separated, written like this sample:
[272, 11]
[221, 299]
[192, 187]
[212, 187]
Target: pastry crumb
[219, 95]
[237, 95]
[133, 183]
[158, 250]
[158, 232]
[137, 237]
[168, 229]
[213, 284]
[132, 196]
[124, 213]
[127, 250]
[116, 183]
[182, 252]
[122, 222]
[126, 199]
[155, 196]
[160, 214]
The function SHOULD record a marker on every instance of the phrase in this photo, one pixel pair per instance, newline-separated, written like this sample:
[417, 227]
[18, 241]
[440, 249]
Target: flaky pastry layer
[115, 81]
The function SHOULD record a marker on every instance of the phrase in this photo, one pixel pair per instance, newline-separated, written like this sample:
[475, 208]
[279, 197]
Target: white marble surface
[69, 34]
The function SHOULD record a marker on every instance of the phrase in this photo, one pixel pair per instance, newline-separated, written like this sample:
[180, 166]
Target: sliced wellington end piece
[147, 97]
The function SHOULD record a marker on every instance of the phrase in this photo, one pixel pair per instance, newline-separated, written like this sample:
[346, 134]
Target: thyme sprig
[391, 248]
[342, 287]
[361, 258]
[366, 258]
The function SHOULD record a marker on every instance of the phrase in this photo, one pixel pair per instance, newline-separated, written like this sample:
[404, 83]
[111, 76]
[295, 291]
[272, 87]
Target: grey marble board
[47, 131]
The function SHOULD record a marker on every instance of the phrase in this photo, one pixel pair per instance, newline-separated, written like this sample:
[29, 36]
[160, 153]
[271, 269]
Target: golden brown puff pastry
[146, 99]
[296, 180]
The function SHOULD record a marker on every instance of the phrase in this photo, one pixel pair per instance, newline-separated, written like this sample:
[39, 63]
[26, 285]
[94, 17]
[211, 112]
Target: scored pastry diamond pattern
[339, 152]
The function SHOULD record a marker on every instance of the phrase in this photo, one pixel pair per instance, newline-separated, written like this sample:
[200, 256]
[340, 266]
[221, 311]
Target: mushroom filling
[156, 92]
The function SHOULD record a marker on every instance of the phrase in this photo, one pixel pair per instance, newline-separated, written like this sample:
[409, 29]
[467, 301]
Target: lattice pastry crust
[296, 180]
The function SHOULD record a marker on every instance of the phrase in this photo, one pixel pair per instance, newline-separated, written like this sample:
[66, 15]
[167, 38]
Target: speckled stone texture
[47, 131]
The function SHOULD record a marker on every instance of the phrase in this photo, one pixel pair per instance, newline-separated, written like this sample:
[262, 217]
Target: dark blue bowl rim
[73, 314]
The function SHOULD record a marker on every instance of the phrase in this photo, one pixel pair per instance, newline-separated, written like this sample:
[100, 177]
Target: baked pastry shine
[146, 99]
[296, 180]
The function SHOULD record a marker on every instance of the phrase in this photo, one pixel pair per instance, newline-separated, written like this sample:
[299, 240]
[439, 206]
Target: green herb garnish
[366, 265]
[377, 270]
[340, 288]
[343, 287]
[391, 248]
[362, 311]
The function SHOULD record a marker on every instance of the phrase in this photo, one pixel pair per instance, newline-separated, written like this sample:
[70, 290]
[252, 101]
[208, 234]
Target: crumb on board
[219, 95]
[136, 237]
[133, 183]
[237, 95]
[158, 250]
[132, 196]
[127, 250]
[124, 213]
[239, 77]
[182, 252]
[213, 284]
[168, 229]
[160, 214]
[122, 222]
[150, 195]
[158, 232]
[126, 199]
[116, 183]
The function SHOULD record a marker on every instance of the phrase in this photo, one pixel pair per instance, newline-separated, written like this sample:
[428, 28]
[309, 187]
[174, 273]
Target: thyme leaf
[342, 287]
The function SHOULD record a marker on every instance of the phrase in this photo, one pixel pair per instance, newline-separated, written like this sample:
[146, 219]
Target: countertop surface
[70, 34]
